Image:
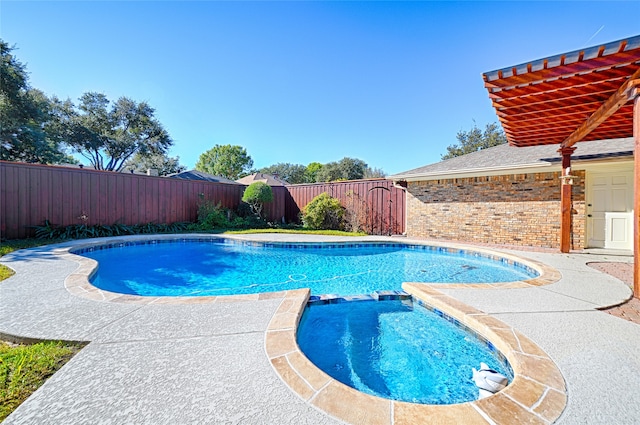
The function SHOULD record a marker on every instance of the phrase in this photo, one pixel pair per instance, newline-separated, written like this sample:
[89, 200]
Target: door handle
[588, 215]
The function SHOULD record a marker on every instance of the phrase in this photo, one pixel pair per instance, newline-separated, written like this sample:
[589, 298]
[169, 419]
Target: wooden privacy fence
[32, 193]
[378, 206]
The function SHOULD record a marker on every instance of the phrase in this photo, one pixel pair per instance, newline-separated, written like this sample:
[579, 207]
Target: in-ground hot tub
[395, 348]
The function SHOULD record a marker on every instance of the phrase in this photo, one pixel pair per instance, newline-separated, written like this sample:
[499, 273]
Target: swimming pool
[225, 267]
[396, 349]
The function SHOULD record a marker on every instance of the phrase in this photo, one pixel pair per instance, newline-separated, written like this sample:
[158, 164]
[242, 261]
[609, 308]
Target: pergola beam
[596, 93]
[609, 107]
[539, 129]
[561, 71]
[617, 75]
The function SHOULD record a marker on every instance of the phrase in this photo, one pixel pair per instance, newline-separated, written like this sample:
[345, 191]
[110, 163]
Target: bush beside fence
[376, 205]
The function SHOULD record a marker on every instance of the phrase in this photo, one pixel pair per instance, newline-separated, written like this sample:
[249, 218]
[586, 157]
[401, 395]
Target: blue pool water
[393, 350]
[223, 267]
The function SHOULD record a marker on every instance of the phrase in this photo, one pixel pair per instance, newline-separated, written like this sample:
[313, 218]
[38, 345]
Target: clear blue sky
[390, 83]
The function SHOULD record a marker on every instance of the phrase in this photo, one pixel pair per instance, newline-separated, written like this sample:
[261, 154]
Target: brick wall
[517, 209]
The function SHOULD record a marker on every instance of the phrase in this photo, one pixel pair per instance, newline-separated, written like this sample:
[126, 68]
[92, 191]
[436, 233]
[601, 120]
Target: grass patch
[5, 272]
[296, 231]
[24, 368]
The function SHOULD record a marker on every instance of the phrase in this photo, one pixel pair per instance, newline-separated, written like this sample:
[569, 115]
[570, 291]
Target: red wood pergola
[587, 94]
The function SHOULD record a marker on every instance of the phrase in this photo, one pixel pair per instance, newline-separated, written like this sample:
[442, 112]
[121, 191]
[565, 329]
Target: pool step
[375, 296]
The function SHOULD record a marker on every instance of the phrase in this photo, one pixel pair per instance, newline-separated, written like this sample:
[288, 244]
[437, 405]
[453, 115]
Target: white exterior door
[609, 206]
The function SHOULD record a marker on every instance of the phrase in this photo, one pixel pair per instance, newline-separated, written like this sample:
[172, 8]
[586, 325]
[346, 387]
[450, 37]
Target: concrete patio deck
[206, 363]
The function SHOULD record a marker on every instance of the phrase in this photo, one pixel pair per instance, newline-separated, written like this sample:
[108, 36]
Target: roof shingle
[507, 157]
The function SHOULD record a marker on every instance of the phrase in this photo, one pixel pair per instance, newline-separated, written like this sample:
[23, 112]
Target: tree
[291, 173]
[109, 134]
[311, 173]
[162, 162]
[25, 116]
[374, 173]
[256, 195]
[345, 169]
[228, 161]
[329, 172]
[475, 140]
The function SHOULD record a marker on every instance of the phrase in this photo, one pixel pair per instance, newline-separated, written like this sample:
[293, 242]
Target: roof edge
[471, 171]
[576, 163]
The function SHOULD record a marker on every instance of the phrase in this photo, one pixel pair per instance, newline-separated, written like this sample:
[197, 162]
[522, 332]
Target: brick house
[511, 195]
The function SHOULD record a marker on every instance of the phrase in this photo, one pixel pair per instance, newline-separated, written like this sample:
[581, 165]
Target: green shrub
[256, 195]
[244, 210]
[212, 216]
[239, 223]
[81, 231]
[250, 222]
[323, 212]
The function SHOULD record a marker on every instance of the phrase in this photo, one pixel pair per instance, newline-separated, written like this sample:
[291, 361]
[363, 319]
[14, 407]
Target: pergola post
[565, 199]
[636, 201]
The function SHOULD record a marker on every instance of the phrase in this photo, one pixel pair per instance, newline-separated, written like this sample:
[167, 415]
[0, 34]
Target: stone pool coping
[78, 283]
[537, 394]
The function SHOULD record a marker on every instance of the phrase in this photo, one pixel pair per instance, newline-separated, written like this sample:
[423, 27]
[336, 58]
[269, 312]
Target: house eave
[475, 172]
[544, 167]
